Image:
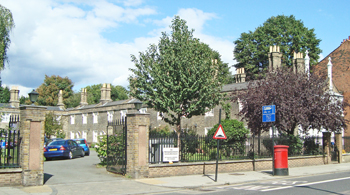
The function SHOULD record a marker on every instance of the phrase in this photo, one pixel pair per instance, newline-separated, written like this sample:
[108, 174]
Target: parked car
[47, 141]
[82, 142]
[66, 148]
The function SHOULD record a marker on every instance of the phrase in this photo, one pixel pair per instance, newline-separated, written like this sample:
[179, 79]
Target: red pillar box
[281, 160]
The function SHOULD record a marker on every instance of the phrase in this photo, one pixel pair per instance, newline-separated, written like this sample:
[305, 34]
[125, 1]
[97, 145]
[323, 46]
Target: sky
[91, 41]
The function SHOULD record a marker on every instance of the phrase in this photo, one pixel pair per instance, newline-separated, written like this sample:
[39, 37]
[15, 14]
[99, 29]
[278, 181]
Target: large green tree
[73, 100]
[48, 91]
[251, 48]
[6, 25]
[4, 94]
[179, 76]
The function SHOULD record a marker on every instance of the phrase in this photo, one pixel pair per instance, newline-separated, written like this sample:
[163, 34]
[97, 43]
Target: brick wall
[165, 170]
[10, 177]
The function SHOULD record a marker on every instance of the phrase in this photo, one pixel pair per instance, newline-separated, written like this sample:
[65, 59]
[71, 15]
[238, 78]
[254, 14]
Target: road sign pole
[217, 151]
[268, 115]
[273, 149]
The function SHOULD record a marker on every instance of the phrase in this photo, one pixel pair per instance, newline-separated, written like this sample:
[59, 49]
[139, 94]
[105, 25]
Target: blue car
[82, 142]
[67, 148]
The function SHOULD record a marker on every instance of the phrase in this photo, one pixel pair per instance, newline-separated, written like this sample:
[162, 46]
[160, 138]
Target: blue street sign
[268, 113]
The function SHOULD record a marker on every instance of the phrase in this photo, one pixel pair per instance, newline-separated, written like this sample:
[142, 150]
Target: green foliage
[251, 48]
[24, 100]
[311, 147]
[73, 100]
[189, 141]
[161, 131]
[227, 109]
[4, 94]
[6, 25]
[48, 91]
[60, 134]
[236, 135]
[294, 142]
[101, 149]
[94, 93]
[53, 125]
[177, 77]
[116, 149]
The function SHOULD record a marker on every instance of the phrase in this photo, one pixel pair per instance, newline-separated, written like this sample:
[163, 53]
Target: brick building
[340, 60]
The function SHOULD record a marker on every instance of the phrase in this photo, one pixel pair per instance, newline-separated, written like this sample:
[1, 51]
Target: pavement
[169, 184]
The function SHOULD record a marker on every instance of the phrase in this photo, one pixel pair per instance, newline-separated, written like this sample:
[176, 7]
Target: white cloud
[59, 38]
[195, 18]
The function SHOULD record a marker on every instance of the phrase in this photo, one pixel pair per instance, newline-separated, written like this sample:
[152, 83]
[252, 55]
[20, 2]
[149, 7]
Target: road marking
[284, 182]
[247, 187]
[306, 184]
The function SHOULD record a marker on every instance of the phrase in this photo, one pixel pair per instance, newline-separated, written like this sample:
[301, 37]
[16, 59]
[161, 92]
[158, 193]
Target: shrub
[116, 149]
[311, 147]
[294, 142]
[236, 135]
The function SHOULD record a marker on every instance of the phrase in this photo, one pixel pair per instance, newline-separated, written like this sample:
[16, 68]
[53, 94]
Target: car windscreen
[56, 143]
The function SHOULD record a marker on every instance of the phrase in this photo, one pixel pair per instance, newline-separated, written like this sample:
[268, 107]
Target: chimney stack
[14, 101]
[105, 93]
[274, 58]
[60, 103]
[83, 98]
[329, 66]
[240, 75]
[298, 63]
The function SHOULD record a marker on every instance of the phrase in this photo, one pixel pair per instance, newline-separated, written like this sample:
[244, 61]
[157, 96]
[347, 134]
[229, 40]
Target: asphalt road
[77, 170]
[335, 183]
[81, 176]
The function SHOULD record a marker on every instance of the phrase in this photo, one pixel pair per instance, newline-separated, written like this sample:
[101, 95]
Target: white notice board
[170, 154]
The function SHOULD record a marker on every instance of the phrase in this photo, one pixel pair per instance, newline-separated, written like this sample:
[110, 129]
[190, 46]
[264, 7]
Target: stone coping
[225, 162]
[14, 170]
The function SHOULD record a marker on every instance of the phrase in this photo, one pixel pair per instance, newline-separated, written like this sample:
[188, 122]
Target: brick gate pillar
[137, 145]
[339, 145]
[326, 140]
[32, 143]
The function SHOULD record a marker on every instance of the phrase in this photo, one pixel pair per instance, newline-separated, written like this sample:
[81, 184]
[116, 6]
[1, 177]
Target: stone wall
[137, 145]
[176, 169]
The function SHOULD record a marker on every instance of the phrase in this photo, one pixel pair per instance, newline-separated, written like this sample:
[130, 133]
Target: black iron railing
[10, 145]
[195, 148]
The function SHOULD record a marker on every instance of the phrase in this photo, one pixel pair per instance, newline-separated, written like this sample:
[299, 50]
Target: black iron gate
[116, 146]
[10, 145]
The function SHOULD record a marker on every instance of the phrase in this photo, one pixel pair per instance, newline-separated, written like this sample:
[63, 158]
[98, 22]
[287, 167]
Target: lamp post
[138, 104]
[33, 96]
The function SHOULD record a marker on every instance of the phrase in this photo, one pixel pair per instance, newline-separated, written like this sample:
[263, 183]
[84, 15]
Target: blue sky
[90, 41]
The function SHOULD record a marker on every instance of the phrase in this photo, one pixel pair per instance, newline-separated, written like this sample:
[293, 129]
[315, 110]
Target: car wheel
[88, 153]
[70, 155]
[48, 159]
[82, 153]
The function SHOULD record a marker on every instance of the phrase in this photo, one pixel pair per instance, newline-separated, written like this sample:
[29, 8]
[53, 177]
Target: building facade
[90, 121]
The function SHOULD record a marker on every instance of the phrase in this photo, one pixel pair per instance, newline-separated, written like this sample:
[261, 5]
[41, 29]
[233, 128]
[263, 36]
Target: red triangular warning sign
[220, 134]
